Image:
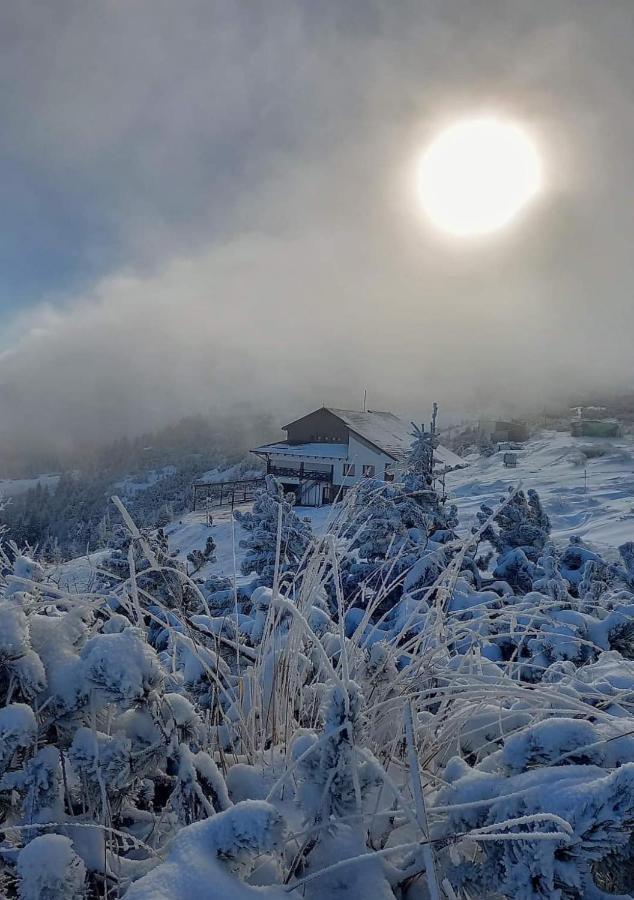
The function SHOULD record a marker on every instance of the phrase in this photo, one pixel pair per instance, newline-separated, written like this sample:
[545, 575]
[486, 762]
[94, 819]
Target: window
[348, 469]
[368, 471]
[389, 476]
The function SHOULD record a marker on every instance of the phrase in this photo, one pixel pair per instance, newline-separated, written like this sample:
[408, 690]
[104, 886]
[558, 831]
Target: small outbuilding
[602, 428]
[502, 431]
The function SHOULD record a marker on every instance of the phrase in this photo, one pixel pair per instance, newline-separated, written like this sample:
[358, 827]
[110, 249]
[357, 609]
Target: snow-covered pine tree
[377, 527]
[518, 533]
[170, 585]
[419, 481]
[261, 524]
[388, 532]
[335, 785]
[521, 523]
[397, 529]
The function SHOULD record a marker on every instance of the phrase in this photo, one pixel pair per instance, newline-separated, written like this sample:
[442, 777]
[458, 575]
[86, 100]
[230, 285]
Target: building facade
[330, 450]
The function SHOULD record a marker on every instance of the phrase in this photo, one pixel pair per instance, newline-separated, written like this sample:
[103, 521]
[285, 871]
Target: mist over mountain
[211, 208]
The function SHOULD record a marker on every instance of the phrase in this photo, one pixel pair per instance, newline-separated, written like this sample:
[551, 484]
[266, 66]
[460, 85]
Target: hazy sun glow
[477, 175]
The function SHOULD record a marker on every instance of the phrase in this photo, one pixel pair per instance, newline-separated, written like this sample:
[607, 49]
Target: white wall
[360, 454]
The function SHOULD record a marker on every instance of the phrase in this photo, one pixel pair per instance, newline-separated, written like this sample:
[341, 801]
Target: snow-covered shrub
[49, 869]
[591, 810]
[381, 529]
[200, 558]
[573, 561]
[521, 522]
[102, 764]
[18, 729]
[120, 667]
[203, 739]
[205, 859]
[155, 570]
[262, 525]
[332, 782]
[35, 790]
[552, 582]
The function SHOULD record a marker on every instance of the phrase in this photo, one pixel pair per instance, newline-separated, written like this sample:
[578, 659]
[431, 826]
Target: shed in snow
[604, 428]
[502, 431]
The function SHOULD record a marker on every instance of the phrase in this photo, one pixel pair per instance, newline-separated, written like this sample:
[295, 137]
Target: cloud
[251, 231]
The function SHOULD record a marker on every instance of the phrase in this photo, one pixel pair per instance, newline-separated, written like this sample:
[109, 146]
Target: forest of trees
[154, 472]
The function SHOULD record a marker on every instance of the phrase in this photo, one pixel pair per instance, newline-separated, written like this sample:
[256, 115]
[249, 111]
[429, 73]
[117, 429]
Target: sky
[211, 205]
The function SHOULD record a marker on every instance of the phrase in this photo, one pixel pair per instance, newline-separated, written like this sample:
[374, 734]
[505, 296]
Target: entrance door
[311, 494]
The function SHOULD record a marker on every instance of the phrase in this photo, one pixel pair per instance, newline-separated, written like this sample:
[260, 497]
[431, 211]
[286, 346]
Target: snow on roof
[316, 449]
[383, 429]
[390, 434]
[448, 458]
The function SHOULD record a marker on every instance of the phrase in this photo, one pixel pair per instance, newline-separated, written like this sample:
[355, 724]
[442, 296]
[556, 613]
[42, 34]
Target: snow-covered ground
[190, 532]
[78, 575]
[592, 497]
[534, 728]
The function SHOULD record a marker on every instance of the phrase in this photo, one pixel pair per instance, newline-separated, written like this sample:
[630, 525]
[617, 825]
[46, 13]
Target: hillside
[70, 514]
[586, 486]
[386, 698]
[599, 508]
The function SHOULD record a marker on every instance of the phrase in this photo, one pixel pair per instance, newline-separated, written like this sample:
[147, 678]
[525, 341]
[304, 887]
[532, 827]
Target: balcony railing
[301, 473]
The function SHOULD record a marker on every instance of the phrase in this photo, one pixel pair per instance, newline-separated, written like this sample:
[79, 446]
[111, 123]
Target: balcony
[301, 473]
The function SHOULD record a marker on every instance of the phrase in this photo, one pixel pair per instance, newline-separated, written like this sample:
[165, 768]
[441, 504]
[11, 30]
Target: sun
[477, 175]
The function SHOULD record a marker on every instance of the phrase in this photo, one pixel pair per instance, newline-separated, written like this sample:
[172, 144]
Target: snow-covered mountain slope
[190, 532]
[585, 484]
[497, 702]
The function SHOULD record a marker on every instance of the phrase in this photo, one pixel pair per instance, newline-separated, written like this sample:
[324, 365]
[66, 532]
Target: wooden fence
[215, 494]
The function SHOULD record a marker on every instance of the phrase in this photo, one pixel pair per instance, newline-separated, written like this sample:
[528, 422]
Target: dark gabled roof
[386, 432]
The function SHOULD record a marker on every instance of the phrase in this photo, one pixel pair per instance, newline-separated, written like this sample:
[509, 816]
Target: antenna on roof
[365, 399]
[434, 415]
